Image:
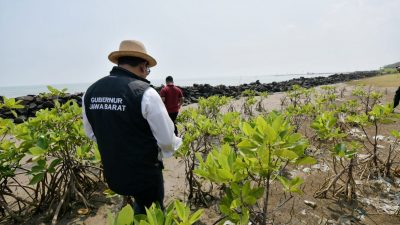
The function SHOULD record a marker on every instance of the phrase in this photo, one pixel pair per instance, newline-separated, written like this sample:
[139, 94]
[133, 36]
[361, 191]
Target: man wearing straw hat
[131, 125]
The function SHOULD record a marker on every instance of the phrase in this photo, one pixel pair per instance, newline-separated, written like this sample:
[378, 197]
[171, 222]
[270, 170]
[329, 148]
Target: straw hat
[132, 48]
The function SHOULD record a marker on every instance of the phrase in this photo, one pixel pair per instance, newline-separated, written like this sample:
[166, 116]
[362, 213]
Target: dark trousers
[153, 194]
[396, 98]
[173, 118]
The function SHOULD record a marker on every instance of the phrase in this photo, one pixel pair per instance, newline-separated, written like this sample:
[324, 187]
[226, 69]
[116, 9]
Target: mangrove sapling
[307, 95]
[62, 156]
[367, 98]
[326, 100]
[295, 95]
[260, 104]
[227, 168]
[283, 102]
[211, 106]
[333, 137]
[299, 96]
[374, 117]
[300, 107]
[392, 154]
[349, 107]
[377, 113]
[268, 144]
[9, 104]
[231, 107]
[342, 91]
[53, 93]
[299, 116]
[176, 213]
[330, 95]
[10, 162]
[202, 129]
[231, 129]
[249, 100]
[199, 136]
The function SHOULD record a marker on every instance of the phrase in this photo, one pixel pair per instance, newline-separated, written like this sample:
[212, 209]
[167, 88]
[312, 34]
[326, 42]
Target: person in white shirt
[129, 122]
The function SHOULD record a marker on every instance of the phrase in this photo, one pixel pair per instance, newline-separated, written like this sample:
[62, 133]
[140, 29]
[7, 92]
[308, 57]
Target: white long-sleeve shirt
[161, 125]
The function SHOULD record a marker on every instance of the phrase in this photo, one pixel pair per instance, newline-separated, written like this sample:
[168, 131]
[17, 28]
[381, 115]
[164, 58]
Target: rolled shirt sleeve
[154, 111]
[86, 125]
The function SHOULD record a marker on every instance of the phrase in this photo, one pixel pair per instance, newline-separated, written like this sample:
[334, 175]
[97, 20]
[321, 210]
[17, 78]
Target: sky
[59, 42]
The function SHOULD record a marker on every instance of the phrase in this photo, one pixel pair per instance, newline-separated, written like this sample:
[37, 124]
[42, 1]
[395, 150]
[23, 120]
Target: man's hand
[181, 101]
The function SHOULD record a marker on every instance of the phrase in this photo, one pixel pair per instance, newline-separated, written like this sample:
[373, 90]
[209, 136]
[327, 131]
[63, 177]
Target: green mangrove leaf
[125, 216]
[37, 178]
[37, 151]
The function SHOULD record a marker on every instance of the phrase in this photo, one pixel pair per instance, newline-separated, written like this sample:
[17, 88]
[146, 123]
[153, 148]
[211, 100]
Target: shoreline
[13, 91]
[34, 103]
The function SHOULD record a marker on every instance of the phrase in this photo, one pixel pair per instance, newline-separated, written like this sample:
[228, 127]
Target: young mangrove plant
[249, 98]
[63, 168]
[298, 106]
[10, 105]
[177, 213]
[375, 117]
[11, 204]
[202, 129]
[260, 104]
[368, 98]
[332, 137]
[268, 146]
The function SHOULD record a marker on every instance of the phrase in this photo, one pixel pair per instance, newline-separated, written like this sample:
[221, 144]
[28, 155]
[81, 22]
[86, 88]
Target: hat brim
[113, 57]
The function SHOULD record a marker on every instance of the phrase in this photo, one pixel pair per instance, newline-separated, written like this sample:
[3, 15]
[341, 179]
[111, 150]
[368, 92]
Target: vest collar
[119, 71]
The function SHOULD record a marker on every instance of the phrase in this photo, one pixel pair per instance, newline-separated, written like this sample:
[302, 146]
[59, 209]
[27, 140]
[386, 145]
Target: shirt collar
[119, 71]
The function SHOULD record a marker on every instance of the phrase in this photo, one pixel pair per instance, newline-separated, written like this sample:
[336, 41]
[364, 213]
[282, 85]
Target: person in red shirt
[173, 99]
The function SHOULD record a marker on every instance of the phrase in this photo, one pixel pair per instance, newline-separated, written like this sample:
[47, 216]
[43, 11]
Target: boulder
[48, 104]
[27, 98]
[20, 119]
[32, 106]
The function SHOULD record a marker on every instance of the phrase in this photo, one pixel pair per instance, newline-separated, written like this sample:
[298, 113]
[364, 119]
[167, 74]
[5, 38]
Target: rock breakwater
[33, 103]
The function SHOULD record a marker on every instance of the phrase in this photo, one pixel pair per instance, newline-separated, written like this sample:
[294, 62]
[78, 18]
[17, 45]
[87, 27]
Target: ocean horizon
[17, 91]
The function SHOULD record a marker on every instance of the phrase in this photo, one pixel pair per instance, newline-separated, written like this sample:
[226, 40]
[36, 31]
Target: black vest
[128, 149]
